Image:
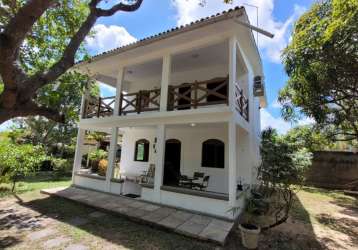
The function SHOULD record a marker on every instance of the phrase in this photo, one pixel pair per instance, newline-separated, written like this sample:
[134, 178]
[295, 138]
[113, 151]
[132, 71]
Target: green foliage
[281, 164]
[322, 64]
[307, 137]
[51, 33]
[62, 165]
[98, 155]
[97, 136]
[42, 48]
[281, 170]
[19, 160]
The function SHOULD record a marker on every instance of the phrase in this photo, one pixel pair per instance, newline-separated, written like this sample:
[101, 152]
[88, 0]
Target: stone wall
[334, 169]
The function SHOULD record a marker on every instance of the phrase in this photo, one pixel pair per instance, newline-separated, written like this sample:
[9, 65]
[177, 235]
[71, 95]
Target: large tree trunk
[20, 88]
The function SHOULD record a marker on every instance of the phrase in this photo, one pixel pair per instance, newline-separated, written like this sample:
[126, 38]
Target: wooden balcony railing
[241, 102]
[144, 100]
[193, 95]
[99, 107]
[183, 96]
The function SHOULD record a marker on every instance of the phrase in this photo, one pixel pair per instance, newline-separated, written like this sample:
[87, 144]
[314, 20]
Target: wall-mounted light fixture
[259, 89]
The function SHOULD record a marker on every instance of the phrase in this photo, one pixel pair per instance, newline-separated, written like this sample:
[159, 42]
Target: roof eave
[164, 35]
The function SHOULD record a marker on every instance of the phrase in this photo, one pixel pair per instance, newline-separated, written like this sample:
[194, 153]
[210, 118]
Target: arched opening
[213, 154]
[172, 162]
[141, 152]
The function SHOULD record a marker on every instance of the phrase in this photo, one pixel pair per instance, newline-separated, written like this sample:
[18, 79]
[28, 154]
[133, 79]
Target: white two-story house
[185, 115]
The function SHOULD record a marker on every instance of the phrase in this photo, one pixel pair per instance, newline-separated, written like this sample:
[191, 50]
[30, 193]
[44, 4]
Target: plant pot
[249, 235]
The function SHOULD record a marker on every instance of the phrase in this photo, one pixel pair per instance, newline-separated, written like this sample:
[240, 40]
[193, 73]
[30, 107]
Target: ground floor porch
[201, 167]
[185, 222]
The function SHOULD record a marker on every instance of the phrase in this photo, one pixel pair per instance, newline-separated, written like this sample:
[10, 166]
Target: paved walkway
[177, 220]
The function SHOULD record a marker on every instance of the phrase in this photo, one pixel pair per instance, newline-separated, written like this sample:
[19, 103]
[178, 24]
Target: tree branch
[13, 35]
[31, 109]
[68, 57]
[119, 7]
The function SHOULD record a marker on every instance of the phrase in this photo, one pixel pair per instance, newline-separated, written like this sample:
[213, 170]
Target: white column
[78, 154]
[232, 71]
[119, 87]
[111, 157]
[83, 102]
[232, 137]
[159, 165]
[166, 70]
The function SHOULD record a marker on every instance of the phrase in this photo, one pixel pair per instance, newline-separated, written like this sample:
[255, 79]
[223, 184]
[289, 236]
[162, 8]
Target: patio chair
[202, 186]
[148, 175]
[198, 175]
[184, 181]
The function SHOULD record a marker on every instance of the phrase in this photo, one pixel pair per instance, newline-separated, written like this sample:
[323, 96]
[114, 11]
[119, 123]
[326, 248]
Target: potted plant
[95, 157]
[255, 206]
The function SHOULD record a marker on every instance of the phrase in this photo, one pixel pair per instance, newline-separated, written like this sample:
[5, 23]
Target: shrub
[98, 155]
[19, 160]
[281, 170]
[102, 167]
[62, 165]
[95, 157]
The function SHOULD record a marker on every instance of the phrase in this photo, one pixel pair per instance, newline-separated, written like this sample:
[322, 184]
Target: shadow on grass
[296, 233]
[115, 229]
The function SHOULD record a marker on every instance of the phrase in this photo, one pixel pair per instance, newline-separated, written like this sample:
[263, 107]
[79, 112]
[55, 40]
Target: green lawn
[34, 183]
[317, 214]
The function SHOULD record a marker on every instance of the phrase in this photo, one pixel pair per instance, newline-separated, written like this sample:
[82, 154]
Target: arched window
[141, 152]
[213, 154]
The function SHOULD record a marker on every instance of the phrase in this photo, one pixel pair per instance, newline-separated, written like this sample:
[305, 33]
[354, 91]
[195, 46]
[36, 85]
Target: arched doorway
[172, 162]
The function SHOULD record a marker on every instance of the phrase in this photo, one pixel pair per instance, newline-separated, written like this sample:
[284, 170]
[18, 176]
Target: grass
[313, 207]
[34, 183]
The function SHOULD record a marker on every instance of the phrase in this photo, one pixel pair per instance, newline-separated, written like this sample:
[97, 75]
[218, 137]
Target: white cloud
[305, 121]
[267, 120]
[278, 123]
[108, 37]
[188, 11]
[275, 104]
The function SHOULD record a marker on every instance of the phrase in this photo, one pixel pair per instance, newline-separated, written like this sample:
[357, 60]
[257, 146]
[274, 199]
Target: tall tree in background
[322, 64]
[52, 50]
[306, 136]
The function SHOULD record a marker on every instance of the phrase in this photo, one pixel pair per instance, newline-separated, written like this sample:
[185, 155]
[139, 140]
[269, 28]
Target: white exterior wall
[176, 78]
[90, 183]
[191, 139]
[127, 164]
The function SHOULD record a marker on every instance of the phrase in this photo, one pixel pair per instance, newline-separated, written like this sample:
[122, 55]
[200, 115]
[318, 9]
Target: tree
[322, 64]
[20, 23]
[18, 160]
[64, 96]
[308, 137]
[281, 171]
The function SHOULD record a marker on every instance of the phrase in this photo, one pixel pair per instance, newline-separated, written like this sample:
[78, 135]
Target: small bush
[98, 155]
[62, 165]
[95, 157]
[17, 161]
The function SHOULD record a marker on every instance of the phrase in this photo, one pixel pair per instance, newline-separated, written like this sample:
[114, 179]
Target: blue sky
[156, 16]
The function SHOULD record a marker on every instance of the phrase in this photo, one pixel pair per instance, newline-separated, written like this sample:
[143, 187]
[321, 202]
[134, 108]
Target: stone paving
[190, 224]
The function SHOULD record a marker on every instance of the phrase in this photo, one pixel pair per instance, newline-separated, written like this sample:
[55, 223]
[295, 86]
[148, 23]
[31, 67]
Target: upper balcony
[193, 79]
[181, 97]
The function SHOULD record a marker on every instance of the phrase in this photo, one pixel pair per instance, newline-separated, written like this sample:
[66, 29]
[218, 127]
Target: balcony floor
[194, 225]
